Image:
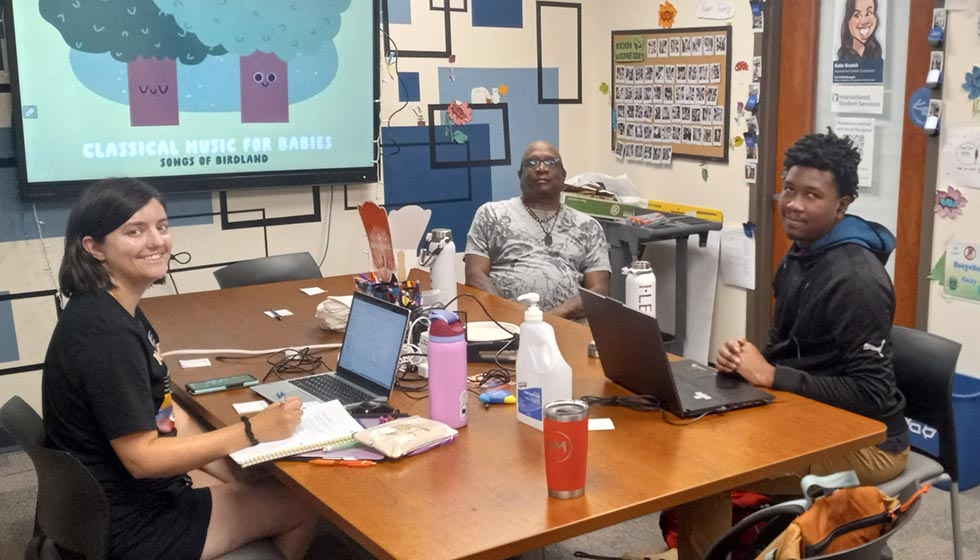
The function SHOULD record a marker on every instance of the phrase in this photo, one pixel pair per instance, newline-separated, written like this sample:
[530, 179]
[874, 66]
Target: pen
[342, 462]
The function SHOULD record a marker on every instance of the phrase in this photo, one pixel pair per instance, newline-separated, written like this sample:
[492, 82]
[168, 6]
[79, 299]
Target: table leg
[701, 523]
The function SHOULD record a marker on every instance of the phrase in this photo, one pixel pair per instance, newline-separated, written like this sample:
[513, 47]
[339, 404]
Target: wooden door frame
[916, 184]
[794, 79]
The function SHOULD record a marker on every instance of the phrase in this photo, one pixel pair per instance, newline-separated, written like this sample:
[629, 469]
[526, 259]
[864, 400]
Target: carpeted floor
[928, 535]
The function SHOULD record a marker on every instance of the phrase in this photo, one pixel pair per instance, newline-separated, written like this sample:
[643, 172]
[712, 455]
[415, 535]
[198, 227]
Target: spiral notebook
[324, 424]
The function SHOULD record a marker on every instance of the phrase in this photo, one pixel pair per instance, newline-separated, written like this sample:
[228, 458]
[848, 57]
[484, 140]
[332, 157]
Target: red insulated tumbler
[566, 446]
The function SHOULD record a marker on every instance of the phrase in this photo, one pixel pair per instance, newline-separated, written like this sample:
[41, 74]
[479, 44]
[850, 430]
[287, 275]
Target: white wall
[956, 319]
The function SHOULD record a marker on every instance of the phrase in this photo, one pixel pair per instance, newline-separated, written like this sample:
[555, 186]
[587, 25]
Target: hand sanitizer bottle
[543, 375]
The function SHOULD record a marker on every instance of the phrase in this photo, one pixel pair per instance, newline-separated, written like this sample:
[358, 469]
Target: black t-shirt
[103, 379]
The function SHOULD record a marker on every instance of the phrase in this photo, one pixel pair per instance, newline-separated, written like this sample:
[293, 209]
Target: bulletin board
[671, 94]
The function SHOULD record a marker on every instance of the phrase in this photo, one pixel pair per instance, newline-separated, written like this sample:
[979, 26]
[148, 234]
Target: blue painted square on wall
[8, 336]
[497, 13]
[408, 86]
[529, 121]
[399, 11]
[452, 194]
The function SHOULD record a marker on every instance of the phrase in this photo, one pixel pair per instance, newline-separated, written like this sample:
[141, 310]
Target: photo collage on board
[671, 99]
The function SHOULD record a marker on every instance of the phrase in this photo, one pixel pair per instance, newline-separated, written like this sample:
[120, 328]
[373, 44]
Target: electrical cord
[181, 258]
[641, 403]
[401, 83]
[408, 380]
[514, 336]
[298, 362]
[685, 423]
[208, 351]
[491, 378]
[326, 246]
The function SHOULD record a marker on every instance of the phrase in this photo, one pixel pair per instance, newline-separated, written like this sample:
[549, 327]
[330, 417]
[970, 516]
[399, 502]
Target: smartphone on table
[221, 384]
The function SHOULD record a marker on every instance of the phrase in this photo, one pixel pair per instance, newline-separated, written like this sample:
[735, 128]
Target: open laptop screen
[373, 341]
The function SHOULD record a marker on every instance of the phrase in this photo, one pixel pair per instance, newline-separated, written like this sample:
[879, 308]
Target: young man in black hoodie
[830, 339]
[834, 307]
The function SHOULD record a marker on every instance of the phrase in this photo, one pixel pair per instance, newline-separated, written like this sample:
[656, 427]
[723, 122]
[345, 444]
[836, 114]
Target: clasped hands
[743, 358]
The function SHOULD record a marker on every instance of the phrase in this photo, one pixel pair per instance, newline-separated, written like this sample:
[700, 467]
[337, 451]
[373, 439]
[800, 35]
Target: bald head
[542, 174]
[540, 145]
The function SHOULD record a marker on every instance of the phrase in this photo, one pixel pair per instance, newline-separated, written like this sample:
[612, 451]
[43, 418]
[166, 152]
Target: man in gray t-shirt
[533, 243]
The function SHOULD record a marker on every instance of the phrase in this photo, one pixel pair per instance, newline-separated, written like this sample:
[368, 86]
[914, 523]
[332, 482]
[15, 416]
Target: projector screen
[193, 95]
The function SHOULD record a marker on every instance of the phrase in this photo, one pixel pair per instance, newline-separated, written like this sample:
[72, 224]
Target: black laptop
[632, 354]
[368, 359]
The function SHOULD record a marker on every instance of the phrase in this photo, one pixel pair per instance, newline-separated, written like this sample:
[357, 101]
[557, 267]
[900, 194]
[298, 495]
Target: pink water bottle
[447, 369]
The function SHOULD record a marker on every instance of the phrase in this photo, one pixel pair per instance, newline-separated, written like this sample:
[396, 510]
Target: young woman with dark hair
[106, 399]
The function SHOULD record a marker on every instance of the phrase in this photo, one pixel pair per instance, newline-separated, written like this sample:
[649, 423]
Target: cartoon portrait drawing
[857, 34]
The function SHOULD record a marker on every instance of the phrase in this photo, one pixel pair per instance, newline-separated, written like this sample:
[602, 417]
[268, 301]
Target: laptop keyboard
[326, 388]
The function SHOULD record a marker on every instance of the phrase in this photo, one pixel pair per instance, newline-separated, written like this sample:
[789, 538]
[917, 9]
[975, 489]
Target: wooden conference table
[484, 496]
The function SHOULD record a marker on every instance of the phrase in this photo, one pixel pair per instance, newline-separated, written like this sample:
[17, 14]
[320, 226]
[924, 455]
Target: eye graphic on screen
[264, 80]
[121, 90]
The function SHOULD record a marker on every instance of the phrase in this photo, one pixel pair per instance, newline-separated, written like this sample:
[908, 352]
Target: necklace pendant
[547, 239]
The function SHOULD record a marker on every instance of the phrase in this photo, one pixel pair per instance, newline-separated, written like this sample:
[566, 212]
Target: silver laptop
[368, 360]
[632, 354]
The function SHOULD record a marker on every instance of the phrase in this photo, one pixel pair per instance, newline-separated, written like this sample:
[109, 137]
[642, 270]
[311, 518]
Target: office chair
[277, 268]
[925, 366]
[778, 517]
[72, 515]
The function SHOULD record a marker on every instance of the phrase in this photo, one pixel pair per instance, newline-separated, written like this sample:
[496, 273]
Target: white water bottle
[443, 271]
[641, 288]
[543, 375]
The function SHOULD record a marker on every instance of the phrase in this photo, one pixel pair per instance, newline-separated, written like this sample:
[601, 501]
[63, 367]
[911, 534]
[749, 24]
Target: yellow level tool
[711, 214]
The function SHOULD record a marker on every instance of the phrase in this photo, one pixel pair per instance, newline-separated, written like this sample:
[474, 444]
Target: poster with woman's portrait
[859, 41]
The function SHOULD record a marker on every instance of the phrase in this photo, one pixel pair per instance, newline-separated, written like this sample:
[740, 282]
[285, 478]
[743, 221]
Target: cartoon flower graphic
[972, 83]
[741, 66]
[667, 14]
[949, 204]
[460, 113]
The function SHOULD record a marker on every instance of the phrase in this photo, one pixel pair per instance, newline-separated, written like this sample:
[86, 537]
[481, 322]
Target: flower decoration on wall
[503, 89]
[972, 83]
[459, 113]
[949, 204]
[741, 66]
[667, 14]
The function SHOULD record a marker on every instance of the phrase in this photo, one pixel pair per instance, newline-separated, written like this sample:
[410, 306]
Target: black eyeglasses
[534, 163]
